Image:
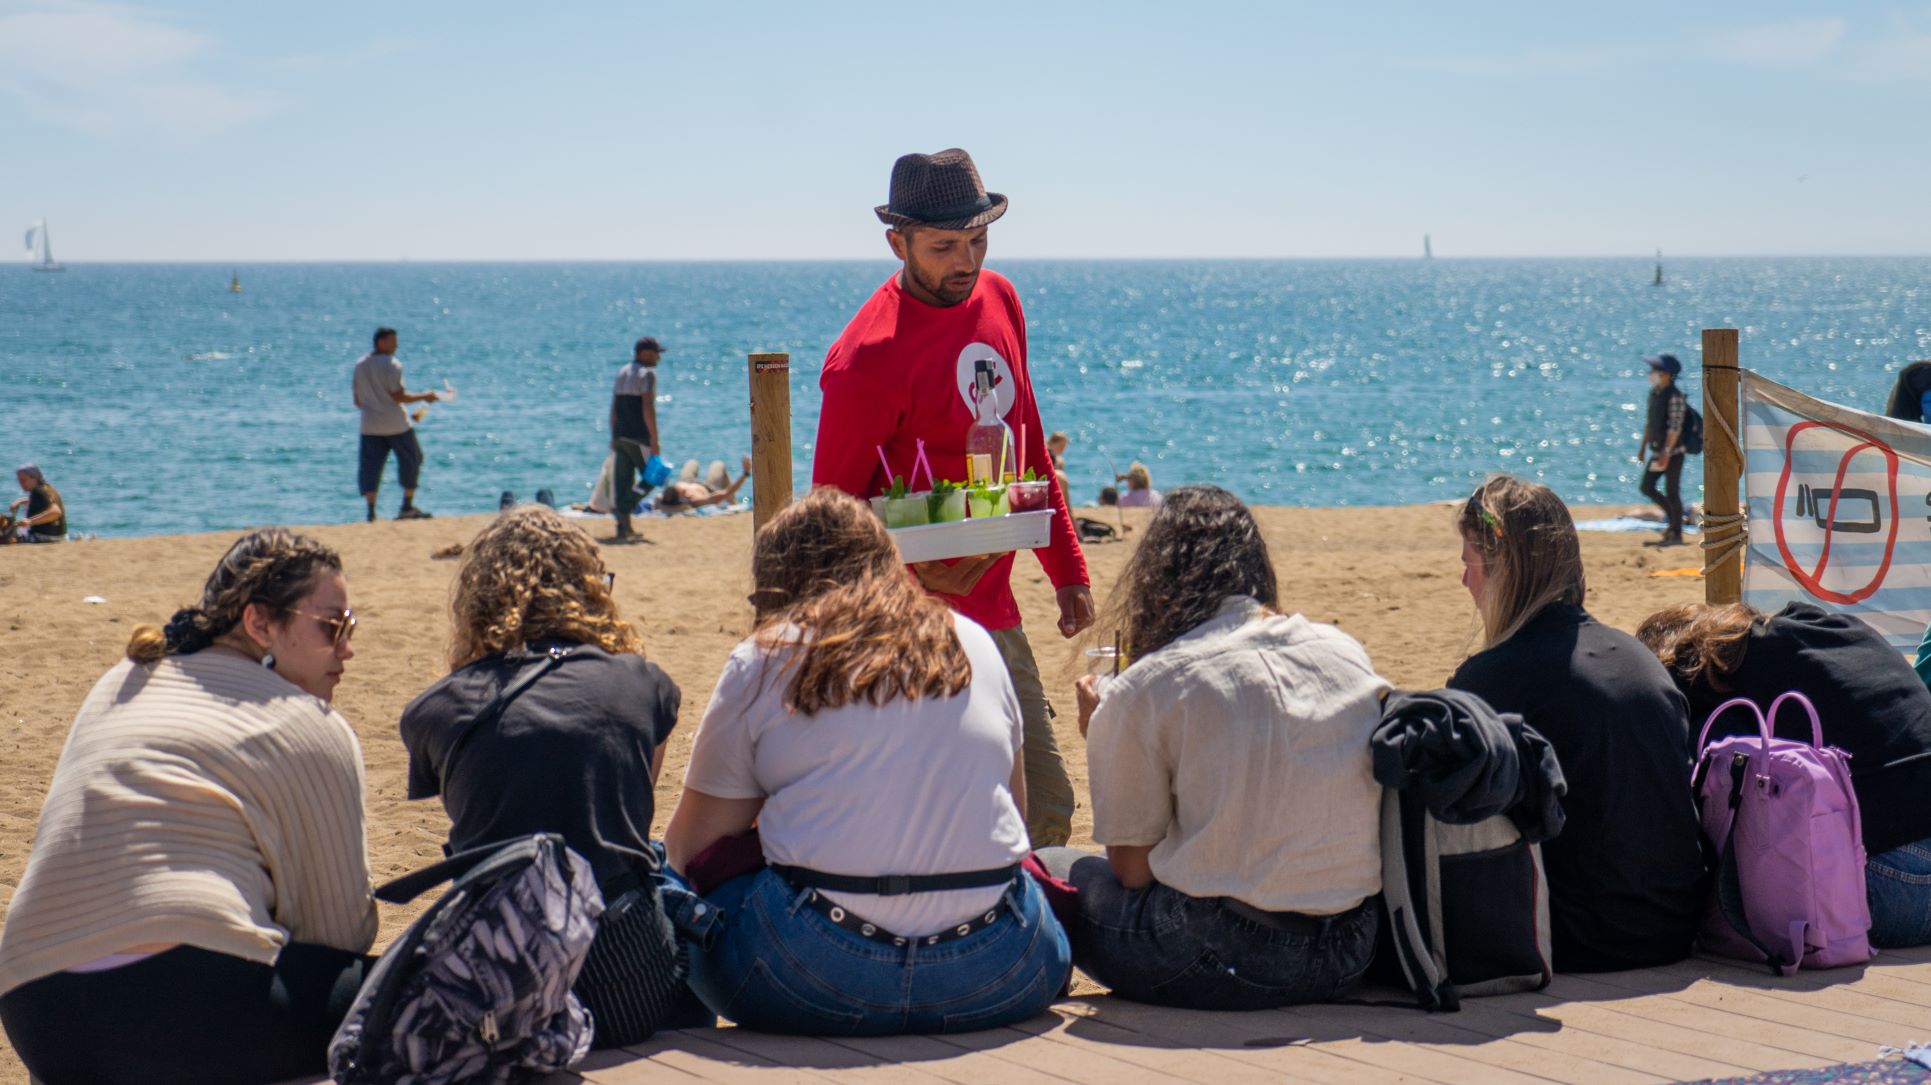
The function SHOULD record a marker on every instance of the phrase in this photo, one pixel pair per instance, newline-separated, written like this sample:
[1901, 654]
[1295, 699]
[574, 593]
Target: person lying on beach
[874, 738]
[45, 520]
[1626, 875]
[715, 488]
[1873, 707]
[196, 905]
[1270, 867]
[577, 752]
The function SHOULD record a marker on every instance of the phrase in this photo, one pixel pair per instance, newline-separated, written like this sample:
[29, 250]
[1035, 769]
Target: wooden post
[770, 435]
[1722, 466]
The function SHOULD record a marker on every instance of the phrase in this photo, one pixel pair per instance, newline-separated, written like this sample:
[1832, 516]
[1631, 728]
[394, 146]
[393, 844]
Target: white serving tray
[968, 538]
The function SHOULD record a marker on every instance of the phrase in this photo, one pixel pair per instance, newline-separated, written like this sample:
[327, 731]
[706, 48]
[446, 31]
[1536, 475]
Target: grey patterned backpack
[478, 988]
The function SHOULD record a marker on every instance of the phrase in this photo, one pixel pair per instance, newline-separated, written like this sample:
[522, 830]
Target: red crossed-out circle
[1812, 579]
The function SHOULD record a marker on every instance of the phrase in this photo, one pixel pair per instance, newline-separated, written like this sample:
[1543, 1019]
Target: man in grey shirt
[379, 395]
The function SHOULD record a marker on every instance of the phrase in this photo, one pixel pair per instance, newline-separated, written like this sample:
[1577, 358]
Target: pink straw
[886, 464]
[1022, 450]
[925, 463]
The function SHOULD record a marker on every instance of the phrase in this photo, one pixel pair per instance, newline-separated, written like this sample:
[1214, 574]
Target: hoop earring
[268, 661]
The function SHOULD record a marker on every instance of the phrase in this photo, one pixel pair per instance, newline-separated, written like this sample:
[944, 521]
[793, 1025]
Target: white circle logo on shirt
[1003, 385]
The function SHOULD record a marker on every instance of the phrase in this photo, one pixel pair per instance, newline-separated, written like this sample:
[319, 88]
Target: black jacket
[1468, 762]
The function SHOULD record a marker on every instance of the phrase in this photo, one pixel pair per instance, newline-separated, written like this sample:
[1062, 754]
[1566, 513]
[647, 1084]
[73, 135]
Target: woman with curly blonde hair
[574, 749]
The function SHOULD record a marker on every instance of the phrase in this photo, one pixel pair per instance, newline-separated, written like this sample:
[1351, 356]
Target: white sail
[31, 231]
[42, 247]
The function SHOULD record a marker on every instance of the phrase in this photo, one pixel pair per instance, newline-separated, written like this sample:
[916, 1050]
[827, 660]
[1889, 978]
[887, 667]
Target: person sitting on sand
[1626, 876]
[716, 487]
[1109, 497]
[1140, 493]
[1269, 869]
[876, 741]
[576, 752]
[1056, 446]
[196, 905]
[46, 517]
[1873, 707]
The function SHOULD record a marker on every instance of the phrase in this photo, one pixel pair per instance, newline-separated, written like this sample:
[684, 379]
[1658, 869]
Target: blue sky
[428, 130]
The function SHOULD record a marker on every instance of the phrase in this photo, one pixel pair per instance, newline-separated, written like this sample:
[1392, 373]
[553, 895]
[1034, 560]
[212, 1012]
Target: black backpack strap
[896, 885]
[552, 656]
[1729, 880]
[414, 884]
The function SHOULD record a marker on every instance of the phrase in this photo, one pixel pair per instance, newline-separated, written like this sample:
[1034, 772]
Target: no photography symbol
[1826, 509]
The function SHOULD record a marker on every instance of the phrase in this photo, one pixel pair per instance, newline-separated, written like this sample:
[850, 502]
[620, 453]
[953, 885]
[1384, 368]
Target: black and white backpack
[478, 988]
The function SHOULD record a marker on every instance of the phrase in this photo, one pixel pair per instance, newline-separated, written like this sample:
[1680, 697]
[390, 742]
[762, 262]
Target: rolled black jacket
[1469, 762]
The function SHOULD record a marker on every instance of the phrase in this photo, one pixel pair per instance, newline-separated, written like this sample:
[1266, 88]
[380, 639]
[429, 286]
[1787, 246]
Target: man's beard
[937, 287]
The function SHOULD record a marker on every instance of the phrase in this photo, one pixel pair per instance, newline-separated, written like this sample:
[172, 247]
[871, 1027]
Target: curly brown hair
[831, 582]
[1530, 552]
[273, 568]
[1202, 547]
[528, 576]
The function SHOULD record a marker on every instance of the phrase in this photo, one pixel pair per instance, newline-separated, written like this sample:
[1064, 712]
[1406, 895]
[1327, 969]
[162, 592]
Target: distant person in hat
[902, 373]
[379, 395]
[1663, 436]
[1140, 493]
[46, 517]
[633, 430]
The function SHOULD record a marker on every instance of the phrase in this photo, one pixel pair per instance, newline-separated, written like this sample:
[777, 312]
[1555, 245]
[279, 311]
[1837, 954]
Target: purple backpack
[1789, 846]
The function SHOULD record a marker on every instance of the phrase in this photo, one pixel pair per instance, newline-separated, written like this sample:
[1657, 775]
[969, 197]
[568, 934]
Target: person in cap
[378, 393]
[901, 376]
[633, 430]
[1663, 435]
[46, 518]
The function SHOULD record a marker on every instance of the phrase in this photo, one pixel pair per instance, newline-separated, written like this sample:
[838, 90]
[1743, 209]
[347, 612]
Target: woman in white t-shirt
[874, 738]
[1231, 781]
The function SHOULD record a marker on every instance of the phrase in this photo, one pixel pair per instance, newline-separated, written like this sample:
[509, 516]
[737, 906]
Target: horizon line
[1645, 259]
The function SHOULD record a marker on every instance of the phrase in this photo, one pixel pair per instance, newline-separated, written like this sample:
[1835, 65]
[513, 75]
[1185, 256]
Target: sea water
[160, 402]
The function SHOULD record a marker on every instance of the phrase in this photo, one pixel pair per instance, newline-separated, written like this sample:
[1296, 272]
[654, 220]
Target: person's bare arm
[960, 579]
[47, 516]
[401, 396]
[1130, 864]
[702, 820]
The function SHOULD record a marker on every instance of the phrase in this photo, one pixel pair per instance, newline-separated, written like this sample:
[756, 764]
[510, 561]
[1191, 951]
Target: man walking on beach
[633, 429]
[1663, 433]
[902, 373]
[379, 395]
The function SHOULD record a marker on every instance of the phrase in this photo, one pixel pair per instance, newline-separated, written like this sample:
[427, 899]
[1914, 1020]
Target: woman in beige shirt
[196, 906]
[1231, 781]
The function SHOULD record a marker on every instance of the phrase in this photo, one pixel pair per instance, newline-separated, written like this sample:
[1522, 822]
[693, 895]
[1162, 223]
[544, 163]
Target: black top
[39, 500]
[1626, 874]
[570, 755]
[1872, 704]
[635, 382]
[1656, 427]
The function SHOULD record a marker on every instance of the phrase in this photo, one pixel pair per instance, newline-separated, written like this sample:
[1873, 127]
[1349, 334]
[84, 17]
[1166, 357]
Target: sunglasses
[340, 626]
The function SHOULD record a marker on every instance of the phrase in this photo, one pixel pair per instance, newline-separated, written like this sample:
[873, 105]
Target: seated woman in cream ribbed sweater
[196, 906]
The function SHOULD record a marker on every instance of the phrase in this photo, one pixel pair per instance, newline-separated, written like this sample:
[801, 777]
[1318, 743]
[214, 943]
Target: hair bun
[187, 632]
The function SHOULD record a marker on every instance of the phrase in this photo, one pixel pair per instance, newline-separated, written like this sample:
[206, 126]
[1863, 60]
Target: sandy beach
[1389, 576]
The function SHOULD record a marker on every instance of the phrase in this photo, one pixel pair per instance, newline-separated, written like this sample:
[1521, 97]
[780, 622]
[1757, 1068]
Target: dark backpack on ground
[1466, 906]
[478, 988]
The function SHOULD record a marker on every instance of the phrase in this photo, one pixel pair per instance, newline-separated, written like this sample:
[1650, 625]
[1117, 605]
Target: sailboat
[1658, 281]
[1427, 247]
[41, 248]
[234, 282]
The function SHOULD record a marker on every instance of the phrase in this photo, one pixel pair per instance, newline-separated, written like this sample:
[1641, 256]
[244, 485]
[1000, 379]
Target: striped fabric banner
[1840, 510]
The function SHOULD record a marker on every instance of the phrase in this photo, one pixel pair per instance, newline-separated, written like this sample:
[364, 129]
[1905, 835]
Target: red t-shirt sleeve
[854, 418]
[1063, 560]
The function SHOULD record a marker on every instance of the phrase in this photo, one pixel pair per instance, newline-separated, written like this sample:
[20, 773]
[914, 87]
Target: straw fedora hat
[940, 190]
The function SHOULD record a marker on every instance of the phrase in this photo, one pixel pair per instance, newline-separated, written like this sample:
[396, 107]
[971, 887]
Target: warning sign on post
[1840, 510]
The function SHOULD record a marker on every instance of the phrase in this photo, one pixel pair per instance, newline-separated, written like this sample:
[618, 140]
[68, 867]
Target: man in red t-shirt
[903, 372]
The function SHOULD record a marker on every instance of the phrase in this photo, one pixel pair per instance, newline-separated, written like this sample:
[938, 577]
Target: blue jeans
[1898, 885]
[1162, 946]
[777, 965]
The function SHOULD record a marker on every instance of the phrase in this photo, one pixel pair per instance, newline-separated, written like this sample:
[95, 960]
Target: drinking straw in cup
[886, 464]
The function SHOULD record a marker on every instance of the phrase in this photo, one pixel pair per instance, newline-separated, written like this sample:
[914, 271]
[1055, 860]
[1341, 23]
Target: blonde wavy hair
[1530, 552]
[528, 576]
